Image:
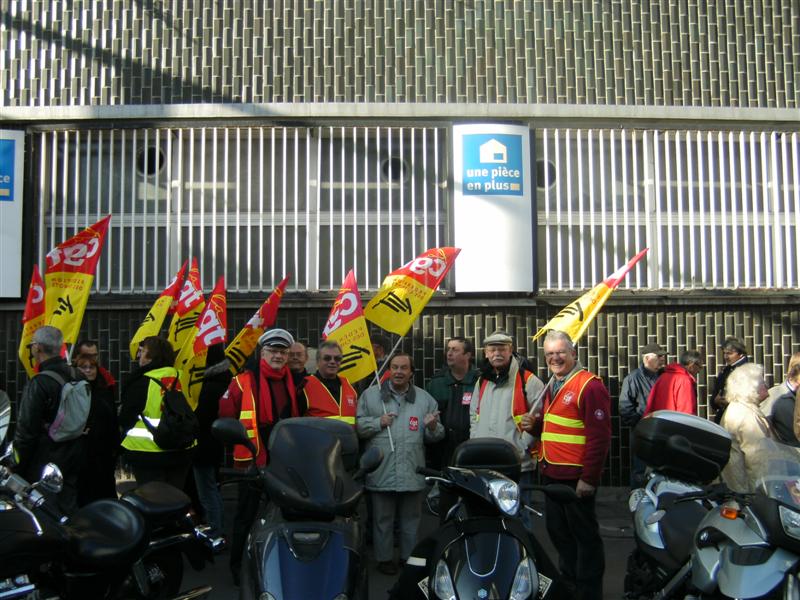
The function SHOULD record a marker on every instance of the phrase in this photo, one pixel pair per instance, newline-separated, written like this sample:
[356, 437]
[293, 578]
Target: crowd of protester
[561, 429]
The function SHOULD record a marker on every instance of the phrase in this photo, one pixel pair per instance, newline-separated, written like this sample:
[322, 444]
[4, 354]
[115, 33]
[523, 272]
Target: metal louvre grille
[716, 209]
[251, 203]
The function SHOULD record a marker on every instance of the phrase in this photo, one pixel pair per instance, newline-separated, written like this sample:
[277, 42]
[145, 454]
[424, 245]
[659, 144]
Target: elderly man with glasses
[260, 396]
[326, 393]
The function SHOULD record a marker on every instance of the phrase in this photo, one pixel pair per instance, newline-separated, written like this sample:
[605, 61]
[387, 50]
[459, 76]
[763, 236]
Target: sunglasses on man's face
[331, 358]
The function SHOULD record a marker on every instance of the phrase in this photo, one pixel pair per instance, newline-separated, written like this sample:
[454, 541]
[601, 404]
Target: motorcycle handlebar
[429, 472]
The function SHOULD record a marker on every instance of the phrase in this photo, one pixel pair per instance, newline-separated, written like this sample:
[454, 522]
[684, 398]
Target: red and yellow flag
[406, 291]
[158, 312]
[190, 304]
[347, 326]
[69, 276]
[574, 318]
[209, 329]
[246, 340]
[32, 319]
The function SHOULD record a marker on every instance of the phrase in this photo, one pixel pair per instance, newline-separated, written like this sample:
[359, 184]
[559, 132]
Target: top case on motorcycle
[488, 453]
[306, 473]
[106, 533]
[159, 502]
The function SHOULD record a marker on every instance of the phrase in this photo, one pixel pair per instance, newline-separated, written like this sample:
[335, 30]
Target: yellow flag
[406, 291]
[190, 304]
[69, 276]
[246, 340]
[210, 329]
[158, 312]
[574, 318]
[32, 319]
[347, 326]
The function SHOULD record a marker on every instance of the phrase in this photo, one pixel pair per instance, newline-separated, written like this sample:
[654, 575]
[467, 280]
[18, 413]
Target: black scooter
[109, 549]
[482, 550]
[308, 542]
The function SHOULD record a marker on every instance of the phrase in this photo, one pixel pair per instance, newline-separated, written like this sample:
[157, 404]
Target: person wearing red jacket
[259, 397]
[676, 388]
[575, 435]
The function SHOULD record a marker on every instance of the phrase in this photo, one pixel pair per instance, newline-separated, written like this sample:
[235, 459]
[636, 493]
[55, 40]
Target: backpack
[178, 426]
[74, 404]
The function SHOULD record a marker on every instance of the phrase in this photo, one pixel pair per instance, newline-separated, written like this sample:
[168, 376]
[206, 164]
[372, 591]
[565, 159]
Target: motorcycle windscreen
[311, 564]
[483, 565]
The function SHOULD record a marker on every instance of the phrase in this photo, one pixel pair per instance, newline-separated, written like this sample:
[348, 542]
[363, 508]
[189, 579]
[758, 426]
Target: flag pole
[380, 370]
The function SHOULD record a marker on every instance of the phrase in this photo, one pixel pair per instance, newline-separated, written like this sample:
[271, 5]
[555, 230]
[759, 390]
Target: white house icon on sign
[493, 152]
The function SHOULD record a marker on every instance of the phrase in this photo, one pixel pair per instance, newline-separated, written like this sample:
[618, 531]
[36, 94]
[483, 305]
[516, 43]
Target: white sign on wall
[11, 174]
[493, 208]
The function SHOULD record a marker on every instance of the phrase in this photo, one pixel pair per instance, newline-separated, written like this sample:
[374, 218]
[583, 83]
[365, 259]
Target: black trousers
[247, 504]
[575, 533]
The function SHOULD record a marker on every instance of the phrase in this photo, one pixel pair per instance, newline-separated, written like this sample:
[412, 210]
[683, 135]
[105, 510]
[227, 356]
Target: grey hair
[49, 339]
[554, 335]
[743, 383]
[329, 344]
[690, 357]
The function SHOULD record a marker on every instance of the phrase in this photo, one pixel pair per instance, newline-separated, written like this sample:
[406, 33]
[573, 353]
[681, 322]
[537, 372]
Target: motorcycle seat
[158, 501]
[105, 533]
[488, 453]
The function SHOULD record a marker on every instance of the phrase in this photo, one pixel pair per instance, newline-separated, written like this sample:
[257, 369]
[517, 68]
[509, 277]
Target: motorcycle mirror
[369, 461]
[230, 432]
[52, 480]
[9, 458]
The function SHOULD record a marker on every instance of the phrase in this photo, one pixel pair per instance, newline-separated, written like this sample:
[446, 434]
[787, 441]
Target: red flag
[32, 319]
[190, 305]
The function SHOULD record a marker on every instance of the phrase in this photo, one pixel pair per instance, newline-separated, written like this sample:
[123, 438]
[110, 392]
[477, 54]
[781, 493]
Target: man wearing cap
[676, 387]
[576, 435]
[633, 397]
[259, 397]
[501, 402]
[734, 352]
[325, 393]
[37, 409]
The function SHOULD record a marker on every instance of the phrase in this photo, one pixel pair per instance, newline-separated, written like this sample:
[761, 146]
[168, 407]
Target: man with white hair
[576, 434]
[37, 409]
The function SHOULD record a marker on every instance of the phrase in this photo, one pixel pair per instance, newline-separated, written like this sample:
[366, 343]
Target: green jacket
[453, 398]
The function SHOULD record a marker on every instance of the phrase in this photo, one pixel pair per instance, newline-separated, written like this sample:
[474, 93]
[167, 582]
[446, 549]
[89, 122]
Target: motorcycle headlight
[505, 494]
[790, 520]
[526, 581]
[443, 583]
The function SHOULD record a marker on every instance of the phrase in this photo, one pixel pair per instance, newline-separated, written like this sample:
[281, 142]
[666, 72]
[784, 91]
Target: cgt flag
[69, 276]
[158, 312]
[32, 319]
[347, 326]
[190, 304]
[406, 291]
[210, 329]
[246, 340]
[574, 318]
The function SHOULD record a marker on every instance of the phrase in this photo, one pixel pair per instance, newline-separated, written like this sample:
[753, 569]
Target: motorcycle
[108, 549]
[749, 547]
[684, 454]
[482, 549]
[308, 542]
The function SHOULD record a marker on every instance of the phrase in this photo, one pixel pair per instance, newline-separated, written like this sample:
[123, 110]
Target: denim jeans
[210, 497]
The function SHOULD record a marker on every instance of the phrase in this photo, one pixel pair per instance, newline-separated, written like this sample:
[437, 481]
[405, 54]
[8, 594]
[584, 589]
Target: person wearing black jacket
[37, 409]
[208, 452]
[97, 479]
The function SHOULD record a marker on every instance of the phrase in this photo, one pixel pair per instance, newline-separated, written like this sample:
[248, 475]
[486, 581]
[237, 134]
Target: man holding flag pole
[575, 433]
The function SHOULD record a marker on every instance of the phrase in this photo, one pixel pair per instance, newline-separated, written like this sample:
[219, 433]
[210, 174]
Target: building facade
[308, 137]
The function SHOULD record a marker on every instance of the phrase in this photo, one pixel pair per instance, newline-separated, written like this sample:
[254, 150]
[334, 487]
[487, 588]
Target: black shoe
[387, 567]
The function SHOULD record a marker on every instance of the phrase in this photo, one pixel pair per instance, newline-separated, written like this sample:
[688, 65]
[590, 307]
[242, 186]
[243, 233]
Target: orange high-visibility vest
[247, 417]
[321, 402]
[564, 432]
[519, 403]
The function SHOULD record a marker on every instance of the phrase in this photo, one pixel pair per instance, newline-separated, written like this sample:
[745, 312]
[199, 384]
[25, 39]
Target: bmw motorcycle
[308, 541]
[482, 550]
[684, 454]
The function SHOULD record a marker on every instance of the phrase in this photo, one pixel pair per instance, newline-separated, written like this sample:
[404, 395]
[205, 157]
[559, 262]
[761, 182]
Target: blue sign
[7, 170]
[492, 165]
